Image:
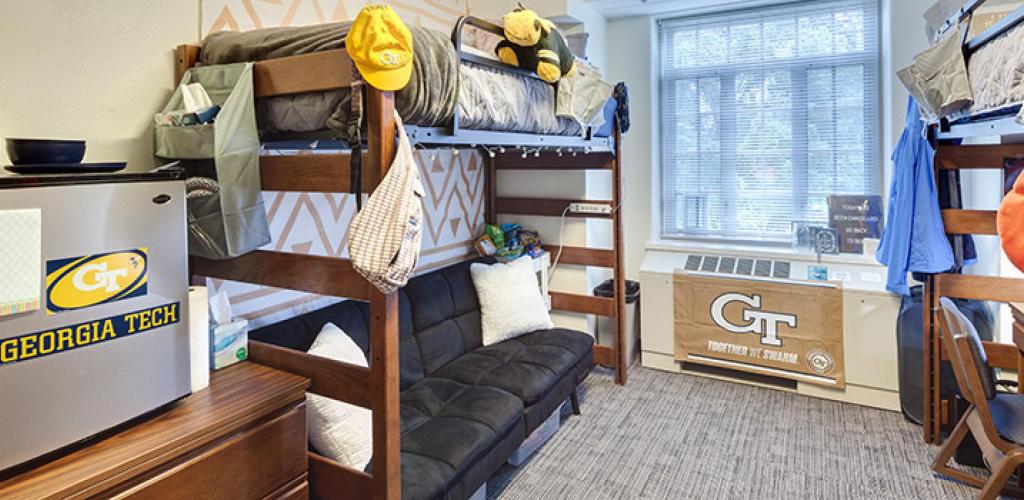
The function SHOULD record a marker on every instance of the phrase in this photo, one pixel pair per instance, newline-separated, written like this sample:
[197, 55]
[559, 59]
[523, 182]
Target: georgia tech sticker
[87, 281]
[58, 340]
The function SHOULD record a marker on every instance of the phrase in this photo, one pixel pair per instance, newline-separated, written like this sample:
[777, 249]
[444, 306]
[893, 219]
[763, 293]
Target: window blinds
[764, 113]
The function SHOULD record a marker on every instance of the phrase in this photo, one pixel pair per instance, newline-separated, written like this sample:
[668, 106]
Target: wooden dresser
[243, 437]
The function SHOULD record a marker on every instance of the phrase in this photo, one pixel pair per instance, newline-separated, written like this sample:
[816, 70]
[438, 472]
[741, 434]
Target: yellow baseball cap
[380, 45]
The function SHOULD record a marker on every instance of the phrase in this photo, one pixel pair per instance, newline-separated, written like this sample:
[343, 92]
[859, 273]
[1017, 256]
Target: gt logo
[86, 281]
[763, 323]
[92, 277]
[389, 58]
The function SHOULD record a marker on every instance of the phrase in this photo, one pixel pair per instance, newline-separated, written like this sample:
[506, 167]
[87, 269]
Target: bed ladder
[613, 356]
[949, 158]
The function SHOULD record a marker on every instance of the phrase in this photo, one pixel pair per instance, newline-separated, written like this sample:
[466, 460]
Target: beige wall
[95, 70]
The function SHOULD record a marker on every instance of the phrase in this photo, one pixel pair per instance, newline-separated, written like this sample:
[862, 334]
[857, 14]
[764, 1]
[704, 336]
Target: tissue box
[229, 344]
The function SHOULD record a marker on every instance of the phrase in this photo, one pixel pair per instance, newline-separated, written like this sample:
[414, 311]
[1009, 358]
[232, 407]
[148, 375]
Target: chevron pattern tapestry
[317, 223]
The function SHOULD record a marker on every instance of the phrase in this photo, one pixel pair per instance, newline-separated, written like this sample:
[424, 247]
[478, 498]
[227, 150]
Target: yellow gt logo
[95, 279]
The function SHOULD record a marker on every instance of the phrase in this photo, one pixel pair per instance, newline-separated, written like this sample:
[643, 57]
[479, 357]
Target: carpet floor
[670, 436]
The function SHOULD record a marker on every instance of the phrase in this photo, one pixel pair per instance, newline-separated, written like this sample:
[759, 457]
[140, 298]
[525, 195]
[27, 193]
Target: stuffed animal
[534, 43]
[1010, 223]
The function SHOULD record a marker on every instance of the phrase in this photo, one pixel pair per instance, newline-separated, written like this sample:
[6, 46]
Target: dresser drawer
[254, 464]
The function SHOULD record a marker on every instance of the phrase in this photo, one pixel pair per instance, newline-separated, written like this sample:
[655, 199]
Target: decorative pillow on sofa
[510, 301]
[340, 431]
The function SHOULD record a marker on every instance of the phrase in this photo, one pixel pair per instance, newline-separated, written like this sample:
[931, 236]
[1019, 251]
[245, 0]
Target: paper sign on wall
[20, 260]
[786, 329]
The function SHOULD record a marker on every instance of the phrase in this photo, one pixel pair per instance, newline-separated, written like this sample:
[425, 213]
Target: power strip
[590, 208]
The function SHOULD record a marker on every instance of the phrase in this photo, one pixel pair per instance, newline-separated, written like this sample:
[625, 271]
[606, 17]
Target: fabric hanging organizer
[234, 221]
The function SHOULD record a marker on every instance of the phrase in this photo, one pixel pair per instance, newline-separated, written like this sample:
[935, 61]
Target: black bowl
[37, 151]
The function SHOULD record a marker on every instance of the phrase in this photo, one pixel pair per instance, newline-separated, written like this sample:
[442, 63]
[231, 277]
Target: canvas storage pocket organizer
[233, 221]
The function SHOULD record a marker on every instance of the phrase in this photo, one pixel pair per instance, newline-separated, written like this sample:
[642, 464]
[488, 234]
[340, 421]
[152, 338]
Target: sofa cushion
[445, 315]
[528, 366]
[446, 426]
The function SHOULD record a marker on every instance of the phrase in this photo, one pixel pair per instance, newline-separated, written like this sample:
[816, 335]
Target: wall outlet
[590, 208]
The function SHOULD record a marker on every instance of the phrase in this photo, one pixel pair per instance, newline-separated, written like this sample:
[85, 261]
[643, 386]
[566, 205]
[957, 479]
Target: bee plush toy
[534, 43]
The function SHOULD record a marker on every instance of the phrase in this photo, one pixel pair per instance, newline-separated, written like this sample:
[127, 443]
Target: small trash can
[605, 329]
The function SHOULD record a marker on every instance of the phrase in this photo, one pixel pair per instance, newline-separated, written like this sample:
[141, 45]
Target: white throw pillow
[510, 300]
[340, 431]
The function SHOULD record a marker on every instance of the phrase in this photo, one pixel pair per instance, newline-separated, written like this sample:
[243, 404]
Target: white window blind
[764, 113]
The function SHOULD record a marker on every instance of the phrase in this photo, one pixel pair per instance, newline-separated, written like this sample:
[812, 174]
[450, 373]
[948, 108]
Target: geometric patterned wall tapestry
[317, 223]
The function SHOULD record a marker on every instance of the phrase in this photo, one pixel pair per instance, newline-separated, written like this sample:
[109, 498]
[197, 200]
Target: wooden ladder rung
[958, 221]
[582, 256]
[969, 286]
[584, 304]
[955, 156]
[306, 273]
[1003, 356]
[544, 206]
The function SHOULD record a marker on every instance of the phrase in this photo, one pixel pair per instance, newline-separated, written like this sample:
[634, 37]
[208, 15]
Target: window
[764, 113]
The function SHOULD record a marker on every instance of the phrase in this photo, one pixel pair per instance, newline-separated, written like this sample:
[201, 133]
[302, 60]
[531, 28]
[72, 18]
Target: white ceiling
[626, 8]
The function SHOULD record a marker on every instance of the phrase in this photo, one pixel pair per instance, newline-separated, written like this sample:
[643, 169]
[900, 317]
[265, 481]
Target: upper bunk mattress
[486, 99]
[996, 75]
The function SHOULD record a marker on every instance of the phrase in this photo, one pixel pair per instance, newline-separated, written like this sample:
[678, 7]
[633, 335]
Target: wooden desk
[242, 437]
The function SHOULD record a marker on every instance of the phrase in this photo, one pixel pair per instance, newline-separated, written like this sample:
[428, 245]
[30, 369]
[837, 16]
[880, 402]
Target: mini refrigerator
[93, 306]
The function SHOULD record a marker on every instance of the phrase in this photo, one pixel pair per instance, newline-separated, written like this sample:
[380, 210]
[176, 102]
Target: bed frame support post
[384, 367]
[622, 354]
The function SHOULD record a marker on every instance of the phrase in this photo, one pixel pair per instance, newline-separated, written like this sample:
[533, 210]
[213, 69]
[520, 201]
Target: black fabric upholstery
[1008, 416]
[465, 408]
[447, 426]
[445, 315]
[528, 366]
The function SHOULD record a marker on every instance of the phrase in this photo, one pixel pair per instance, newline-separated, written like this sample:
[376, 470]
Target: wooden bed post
[619, 272]
[384, 368]
[185, 56]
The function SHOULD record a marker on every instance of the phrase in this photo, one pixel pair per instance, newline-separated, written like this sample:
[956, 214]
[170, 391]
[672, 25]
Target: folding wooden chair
[996, 421]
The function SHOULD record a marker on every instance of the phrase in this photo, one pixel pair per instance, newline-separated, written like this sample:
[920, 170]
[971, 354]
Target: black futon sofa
[465, 408]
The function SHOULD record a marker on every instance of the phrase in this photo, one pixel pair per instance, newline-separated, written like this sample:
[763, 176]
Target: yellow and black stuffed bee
[534, 43]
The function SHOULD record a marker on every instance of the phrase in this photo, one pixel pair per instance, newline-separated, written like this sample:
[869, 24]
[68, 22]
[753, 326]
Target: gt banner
[789, 329]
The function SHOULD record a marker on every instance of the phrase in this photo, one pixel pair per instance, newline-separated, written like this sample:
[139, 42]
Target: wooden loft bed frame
[950, 157]
[377, 387]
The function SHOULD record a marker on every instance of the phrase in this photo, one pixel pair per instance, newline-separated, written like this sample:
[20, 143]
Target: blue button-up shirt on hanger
[914, 239]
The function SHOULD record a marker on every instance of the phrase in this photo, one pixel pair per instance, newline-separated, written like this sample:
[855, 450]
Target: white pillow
[510, 300]
[340, 431]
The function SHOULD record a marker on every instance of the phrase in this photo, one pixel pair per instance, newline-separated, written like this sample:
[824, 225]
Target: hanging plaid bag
[385, 236]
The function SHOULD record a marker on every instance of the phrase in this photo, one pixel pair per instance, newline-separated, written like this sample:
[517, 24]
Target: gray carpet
[670, 436]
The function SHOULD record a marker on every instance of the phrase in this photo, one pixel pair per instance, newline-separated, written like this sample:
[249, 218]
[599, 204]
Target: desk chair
[996, 421]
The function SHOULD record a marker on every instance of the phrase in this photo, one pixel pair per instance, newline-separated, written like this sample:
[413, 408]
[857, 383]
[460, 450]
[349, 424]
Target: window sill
[765, 251]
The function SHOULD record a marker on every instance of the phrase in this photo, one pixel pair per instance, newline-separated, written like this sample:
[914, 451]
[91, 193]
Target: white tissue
[220, 309]
[199, 337]
[195, 97]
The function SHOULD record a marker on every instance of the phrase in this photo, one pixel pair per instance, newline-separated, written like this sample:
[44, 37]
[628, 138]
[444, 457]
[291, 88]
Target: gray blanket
[428, 99]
